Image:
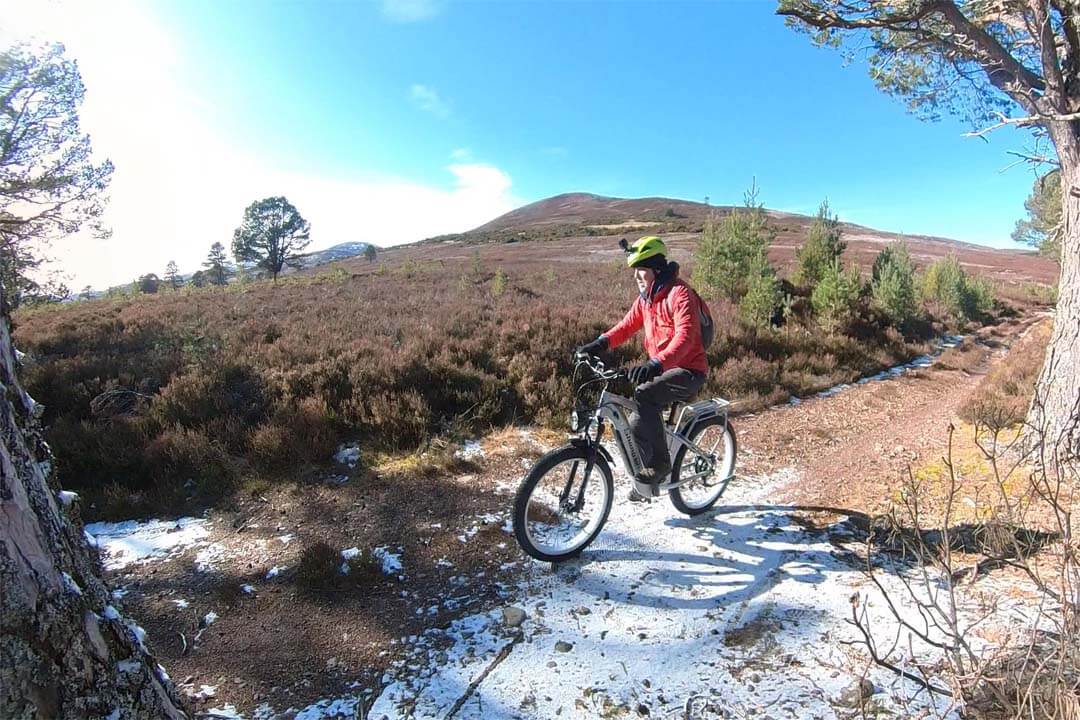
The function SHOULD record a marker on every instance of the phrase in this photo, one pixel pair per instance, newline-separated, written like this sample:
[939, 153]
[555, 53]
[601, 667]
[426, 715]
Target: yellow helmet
[644, 248]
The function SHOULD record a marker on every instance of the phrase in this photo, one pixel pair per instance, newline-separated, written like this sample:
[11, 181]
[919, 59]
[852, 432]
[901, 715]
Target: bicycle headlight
[575, 421]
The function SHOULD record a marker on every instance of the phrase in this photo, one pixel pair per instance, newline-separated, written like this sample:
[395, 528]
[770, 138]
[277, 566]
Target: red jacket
[672, 322]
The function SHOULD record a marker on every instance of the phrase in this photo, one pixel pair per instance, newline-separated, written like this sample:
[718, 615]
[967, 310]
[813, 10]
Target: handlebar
[598, 368]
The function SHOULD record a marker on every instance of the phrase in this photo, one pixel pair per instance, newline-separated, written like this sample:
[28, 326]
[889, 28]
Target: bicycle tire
[543, 466]
[726, 468]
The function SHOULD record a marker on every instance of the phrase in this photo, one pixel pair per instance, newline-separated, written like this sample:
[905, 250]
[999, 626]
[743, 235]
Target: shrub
[225, 400]
[893, 284]
[188, 463]
[821, 250]
[268, 376]
[322, 568]
[762, 297]
[498, 283]
[835, 299]
[951, 291]
[300, 433]
[729, 246]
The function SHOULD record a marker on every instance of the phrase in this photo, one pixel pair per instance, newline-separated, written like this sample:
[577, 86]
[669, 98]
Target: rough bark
[66, 650]
[1054, 415]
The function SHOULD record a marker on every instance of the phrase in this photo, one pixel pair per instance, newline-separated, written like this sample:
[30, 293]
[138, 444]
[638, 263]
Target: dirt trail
[850, 448]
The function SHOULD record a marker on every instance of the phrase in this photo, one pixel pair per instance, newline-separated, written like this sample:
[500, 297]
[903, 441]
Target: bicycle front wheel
[559, 510]
[711, 472]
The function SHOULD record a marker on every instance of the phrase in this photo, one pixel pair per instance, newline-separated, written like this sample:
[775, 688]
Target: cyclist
[669, 311]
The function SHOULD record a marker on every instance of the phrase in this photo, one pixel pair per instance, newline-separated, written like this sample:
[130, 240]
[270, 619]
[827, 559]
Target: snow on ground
[922, 362]
[131, 541]
[737, 611]
[348, 455]
[470, 451]
[390, 561]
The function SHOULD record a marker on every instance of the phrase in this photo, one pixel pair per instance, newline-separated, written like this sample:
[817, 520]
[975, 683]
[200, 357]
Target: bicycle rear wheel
[717, 438]
[557, 510]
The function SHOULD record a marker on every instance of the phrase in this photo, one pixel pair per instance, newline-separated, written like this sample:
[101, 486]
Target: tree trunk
[65, 650]
[1054, 416]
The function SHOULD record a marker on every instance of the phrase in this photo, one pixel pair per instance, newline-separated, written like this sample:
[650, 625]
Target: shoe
[652, 476]
[655, 475]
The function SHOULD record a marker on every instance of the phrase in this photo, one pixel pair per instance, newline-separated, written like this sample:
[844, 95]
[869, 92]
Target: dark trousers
[677, 385]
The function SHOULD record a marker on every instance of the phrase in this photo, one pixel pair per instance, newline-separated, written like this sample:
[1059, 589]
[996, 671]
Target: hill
[590, 220]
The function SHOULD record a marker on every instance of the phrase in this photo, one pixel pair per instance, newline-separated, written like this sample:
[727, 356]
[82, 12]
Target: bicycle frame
[615, 409]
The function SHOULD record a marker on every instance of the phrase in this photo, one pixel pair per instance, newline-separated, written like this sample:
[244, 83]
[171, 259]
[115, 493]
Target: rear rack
[690, 415]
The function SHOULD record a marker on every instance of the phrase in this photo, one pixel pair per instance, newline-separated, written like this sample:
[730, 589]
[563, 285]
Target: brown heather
[266, 379]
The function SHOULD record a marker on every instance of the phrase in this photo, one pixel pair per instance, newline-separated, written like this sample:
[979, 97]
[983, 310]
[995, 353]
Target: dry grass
[264, 378]
[1001, 400]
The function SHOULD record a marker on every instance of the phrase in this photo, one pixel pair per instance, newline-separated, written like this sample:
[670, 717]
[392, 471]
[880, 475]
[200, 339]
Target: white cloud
[428, 100]
[461, 154]
[406, 11]
[179, 185]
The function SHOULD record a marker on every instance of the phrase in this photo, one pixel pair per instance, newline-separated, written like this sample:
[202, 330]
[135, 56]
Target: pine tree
[763, 295]
[893, 283]
[729, 246]
[172, 275]
[271, 235]
[836, 297]
[822, 248]
[216, 271]
[1042, 228]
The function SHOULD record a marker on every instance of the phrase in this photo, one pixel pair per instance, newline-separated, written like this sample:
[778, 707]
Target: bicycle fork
[590, 462]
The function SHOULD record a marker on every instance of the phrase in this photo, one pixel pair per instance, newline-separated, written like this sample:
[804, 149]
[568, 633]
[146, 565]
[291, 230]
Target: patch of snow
[131, 541]
[274, 572]
[210, 618]
[228, 712]
[665, 610]
[119, 593]
[286, 539]
[471, 450]
[350, 553]
[66, 497]
[207, 556]
[129, 667]
[138, 633]
[264, 712]
[348, 455]
[111, 613]
[346, 707]
[70, 585]
[181, 603]
[162, 675]
[247, 589]
[90, 539]
[114, 715]
[205, 691]
[835, 389]
[921, 362]
[391, 562]
[443, 562]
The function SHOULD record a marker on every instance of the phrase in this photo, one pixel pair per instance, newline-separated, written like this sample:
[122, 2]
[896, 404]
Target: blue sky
[462, 110]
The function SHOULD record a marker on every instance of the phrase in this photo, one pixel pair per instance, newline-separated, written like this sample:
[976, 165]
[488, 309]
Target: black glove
[596, 347]
[644, 373]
